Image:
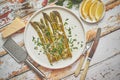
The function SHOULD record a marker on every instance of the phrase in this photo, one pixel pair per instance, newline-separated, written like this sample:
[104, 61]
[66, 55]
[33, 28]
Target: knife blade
[91, 53]
[20, 55]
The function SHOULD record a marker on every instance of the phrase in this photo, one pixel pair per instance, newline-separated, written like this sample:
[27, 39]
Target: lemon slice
[92, 10]
[99, 10]
[85, 8]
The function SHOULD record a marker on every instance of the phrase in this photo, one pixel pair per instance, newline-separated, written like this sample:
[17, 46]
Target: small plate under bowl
[88, 19]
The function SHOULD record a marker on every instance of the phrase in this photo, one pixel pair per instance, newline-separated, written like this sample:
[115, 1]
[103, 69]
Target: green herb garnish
[36, 48]
[81, 45]
[33, 38]
[67, 19]
[75, 47]
[70, 3]
[65, 23]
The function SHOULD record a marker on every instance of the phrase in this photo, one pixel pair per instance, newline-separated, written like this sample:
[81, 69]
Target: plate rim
[48, 7]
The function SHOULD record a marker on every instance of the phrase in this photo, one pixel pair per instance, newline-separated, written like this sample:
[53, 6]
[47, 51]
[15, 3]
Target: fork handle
[40, 73]
[83, 75]
[77, 71]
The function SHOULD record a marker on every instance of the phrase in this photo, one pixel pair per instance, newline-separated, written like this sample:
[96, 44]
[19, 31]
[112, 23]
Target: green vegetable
[66, 19]
[51, 1]
[81, 45]
[75, 47]
[75, 1]
[65, 23]
[36, 48]
[60, 2]
[50, 30]
[33, 38]
[69, 4]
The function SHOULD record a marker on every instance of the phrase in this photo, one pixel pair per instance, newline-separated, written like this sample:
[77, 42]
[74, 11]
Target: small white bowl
[88, 19]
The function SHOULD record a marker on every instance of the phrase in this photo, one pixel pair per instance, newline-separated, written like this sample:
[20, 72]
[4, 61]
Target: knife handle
[40, 73]
[77, 71]
[83, 75]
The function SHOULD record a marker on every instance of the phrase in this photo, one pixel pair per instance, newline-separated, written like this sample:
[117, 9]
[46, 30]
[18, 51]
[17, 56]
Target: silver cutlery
[91, 53]
[82, 58]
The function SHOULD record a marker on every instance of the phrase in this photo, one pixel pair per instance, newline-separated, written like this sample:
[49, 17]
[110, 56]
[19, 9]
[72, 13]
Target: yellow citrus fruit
[85, 8]
[99, 10]
[92, 10]
[81, 10]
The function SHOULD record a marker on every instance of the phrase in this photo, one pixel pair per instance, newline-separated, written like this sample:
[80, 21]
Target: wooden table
[105, 64]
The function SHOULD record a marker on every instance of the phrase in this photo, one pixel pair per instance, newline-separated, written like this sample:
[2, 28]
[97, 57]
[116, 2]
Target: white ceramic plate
[77, 33]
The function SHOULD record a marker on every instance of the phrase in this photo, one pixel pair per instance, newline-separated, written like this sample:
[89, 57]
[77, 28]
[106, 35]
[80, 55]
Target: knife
[82, 58]
[20, 55]
[92, 51]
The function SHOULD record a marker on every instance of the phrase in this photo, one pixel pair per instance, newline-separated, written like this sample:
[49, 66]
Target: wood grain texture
[54, 72]
[111, 6]
[91, 34]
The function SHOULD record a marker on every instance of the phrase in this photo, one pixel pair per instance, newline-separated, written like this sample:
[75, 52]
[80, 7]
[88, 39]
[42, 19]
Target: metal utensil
[82, 59]
[20, 55]
[92, 51]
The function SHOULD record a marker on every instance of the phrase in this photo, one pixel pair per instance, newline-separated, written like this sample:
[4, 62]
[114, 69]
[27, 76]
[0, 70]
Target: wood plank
[108, 7]
[90, 32]
[107, 2]
[57, 74]
[111, 6]
[26, 76]
[103, 70]
[104, 33]
[107, 70]
[69, 68]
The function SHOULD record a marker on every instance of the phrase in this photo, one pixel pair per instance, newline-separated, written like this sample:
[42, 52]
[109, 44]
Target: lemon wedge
[99, 10]
[92, 10]
[85, 8]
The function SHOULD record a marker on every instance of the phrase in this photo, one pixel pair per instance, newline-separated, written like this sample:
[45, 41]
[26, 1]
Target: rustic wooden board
[111, 23]
[104, 70]
[109, 6]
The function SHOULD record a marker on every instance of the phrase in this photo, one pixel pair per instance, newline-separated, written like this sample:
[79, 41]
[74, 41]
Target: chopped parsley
[47, 33]
[36, 47]
[66, 19]
[33, 38]
[37, 43]
[81, 45]
[66, 23]
[75, 47]
[70, 3]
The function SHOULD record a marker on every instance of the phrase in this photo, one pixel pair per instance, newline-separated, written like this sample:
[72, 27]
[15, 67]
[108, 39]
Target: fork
[82, 58]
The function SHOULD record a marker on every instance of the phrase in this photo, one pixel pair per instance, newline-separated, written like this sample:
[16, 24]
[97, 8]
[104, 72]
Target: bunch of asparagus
[51, 32]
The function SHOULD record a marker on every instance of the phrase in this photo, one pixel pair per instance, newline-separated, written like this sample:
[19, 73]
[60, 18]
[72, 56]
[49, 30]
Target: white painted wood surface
[105, 64]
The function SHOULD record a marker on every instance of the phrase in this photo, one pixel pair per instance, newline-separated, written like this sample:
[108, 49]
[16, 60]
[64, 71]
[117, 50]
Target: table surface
[105, 64]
